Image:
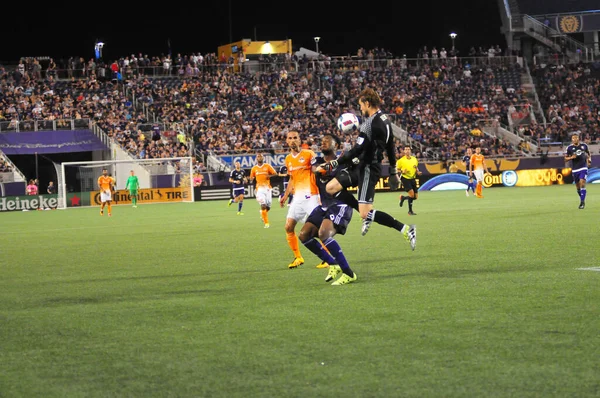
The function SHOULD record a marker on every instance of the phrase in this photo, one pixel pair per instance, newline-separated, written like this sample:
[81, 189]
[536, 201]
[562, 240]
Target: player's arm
[127, 184]
[417, 168]
[589, 156]
[471, 163]
[355, 151]
[569, 155]
[288, 190]
[252, 175]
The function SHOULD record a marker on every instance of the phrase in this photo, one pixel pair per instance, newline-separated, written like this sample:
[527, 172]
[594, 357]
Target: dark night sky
[58, 32]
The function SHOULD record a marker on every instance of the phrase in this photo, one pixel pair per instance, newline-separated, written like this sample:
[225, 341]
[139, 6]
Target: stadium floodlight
[317, 38]
[453, 36]
[98, 49]
[161, 180]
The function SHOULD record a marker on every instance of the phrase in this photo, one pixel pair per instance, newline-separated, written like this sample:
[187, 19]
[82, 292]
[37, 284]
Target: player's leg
[108, 204]
[582, 188]
[346, 178]
[240, 201]
[336, 221]
[133, 196]
[412, 195]
[292, 239]
[479, 178]
[309, 233]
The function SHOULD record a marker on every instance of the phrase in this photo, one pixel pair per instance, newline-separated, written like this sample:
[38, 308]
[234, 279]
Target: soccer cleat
[267, 225]
[365, 226]
[298, 261]
[239, 213]
[323, 264]
[467, 193]
[401, 201]
[101, 212]
[134, 206]
[334, 271]
[411, 236]
[582, 205]
[230, 202]
[109, 214]
[479, 196]
[411, 213]
[344, 280]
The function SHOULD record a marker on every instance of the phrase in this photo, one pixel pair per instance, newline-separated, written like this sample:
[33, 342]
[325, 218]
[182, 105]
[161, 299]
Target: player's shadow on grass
[124, 278]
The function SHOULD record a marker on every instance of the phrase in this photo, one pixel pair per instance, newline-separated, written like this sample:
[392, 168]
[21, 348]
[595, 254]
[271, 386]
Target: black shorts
[409, 184]
[368, 177]
[340, 214]
[348, 177]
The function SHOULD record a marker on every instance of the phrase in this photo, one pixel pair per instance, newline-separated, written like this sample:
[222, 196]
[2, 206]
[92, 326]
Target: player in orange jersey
[306, 193]
[478, 168]
[262, 173]
[105, 182]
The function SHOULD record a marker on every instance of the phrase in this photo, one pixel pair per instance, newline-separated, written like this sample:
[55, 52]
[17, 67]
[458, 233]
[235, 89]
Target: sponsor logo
[569, 24]
[28, 203]
[509, 178]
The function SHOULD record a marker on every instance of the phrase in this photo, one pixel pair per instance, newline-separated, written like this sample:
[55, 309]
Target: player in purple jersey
[467, 162]
[330, 218]
[579, 155]
[237, 178]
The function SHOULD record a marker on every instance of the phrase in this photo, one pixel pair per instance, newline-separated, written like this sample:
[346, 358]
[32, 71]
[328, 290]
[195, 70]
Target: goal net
[160, 181]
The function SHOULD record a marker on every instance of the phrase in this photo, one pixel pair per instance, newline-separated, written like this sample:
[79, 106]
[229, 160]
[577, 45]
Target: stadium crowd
[570, 97]
[443, 106]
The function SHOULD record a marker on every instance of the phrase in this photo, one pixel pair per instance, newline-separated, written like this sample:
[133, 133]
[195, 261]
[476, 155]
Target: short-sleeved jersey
[322, 179]
[409, 165]
[478, 161]
[132, 183]
[582, 151]
[467, 161]
[105, 182]
[300, 172]
[262, 173]
[237, 175]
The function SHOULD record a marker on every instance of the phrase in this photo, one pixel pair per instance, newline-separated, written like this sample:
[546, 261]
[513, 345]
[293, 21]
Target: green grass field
[190, 300]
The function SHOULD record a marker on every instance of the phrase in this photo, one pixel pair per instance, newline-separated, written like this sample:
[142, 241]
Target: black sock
[410, 200]
[383, 218]
[347, 198]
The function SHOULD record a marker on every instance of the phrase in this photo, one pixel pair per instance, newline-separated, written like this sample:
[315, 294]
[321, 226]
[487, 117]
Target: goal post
[160, 180]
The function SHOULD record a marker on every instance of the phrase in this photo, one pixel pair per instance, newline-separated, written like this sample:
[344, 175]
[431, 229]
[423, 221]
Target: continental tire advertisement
[507, 178]
[153, 195]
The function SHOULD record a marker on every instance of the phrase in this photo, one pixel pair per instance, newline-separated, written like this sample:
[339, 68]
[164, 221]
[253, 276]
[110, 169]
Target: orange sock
[109, 207]
[478, 190]
[293, 242]
[265, 216]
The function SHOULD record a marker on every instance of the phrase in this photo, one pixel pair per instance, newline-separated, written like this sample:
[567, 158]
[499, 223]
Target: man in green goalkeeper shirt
[133, 184]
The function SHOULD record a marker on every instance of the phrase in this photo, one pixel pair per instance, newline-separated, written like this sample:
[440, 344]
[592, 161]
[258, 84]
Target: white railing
[44, 125]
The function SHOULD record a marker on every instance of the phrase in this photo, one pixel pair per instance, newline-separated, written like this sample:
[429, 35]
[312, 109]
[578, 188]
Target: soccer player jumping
[375, 138]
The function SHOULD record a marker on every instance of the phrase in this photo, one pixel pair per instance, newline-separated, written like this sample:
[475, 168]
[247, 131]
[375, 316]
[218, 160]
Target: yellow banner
[153, 195]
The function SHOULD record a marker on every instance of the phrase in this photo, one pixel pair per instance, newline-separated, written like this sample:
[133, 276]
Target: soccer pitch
[190, 300]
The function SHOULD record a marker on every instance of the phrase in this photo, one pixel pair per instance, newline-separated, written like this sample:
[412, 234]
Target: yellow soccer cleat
[323, 264]
[334, 271]
[239, 213]
[344, 280]
[298, 261]
[267, 225]
[230, 202]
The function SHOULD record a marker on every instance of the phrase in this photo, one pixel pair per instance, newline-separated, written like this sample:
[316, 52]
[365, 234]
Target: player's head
[330, 144]
[575, 139]
[260, 159]
[369, 101]
[238, 165]
[469, 151]
[131, 172]
[478, 150]
[293, 140]
[407, 150]
[104, 172]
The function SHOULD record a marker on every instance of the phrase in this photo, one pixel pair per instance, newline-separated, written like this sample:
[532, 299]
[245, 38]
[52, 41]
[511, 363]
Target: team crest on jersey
[301, 160]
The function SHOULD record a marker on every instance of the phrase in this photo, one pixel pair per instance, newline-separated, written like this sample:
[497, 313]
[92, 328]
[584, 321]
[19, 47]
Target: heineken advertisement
[41, 202]
[33, 202]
